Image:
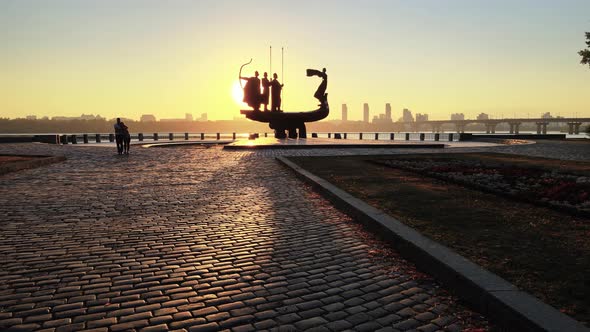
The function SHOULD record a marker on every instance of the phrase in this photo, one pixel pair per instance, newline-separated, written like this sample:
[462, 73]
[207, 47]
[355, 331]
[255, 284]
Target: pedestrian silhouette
[252, 95]
[126, 138]
[265, 91]
[119, 135]
[276, 88]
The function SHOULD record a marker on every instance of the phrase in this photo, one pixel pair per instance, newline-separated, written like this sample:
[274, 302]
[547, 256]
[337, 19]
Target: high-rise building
[407, 116]
[366, 112]
[388, 111]
[483, 116]
[147, 118]
[457, 116]
[547, 115]
[188, 117]
[344, 112]
[421, 117]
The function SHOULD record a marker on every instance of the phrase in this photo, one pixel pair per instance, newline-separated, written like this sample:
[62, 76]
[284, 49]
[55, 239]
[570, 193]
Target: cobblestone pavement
[196, 239]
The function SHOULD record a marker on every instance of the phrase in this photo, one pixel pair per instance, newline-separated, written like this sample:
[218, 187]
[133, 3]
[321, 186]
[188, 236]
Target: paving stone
[70, 313]
[265, 324]
[37, 319]
[101, 322]
[205, 311]
[336, 315]
[156, 328]
[244, 328]
[89, 317]
[389, 319]
[368, 326]
[10, 322]
[209, 327]
[138, 324]
[160, 319]
[186, 323]
[70, 327]
[287, 318]
[235, 321]
[139, 316]
[310, 323]
[23, 327]
[407, 324]
[428, 328]
[339, 325]
[425, 316]
[217, 317]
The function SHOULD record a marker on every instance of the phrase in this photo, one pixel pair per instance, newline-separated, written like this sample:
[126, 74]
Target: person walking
[126, 138]
[119, 136]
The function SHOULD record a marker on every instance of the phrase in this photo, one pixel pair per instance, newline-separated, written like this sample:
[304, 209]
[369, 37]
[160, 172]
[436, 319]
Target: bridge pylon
[542, 127]
[574, 128]
[514, 127]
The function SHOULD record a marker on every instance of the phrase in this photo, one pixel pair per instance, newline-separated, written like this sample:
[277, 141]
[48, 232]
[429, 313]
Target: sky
[168, 58]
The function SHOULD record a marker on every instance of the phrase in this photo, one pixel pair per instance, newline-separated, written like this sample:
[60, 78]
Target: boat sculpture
[293, 123]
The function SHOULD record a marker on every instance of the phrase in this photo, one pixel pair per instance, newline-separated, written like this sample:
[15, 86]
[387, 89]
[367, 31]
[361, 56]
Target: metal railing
[140, 137]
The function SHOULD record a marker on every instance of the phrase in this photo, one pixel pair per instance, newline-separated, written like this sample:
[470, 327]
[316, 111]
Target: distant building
[147, 118]
[483, 116]
[547, 115]
[407, 115]
[31, 117]
[457, 116]
[173, 120]
[421, 117]
[188, 117]
[45, 118]
[90, 117]
[344, 112]
[203, 117]
[383, 118]
[388, 111]
[366, 112]
[81, 117]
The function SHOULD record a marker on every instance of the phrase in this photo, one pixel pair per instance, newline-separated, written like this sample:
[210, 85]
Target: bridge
[490, 124]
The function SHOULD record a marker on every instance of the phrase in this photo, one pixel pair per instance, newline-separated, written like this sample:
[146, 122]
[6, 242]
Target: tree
[585, 54]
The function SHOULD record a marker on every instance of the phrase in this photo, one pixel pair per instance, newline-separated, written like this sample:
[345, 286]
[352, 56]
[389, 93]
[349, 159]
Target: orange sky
[128, 58]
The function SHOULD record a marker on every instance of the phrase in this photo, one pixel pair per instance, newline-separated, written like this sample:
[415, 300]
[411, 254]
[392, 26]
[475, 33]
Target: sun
[238, 94]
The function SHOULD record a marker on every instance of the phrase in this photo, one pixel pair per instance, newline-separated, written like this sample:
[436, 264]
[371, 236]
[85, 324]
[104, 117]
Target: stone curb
[169, 144]
[488, 293]
[28, 164]
[336, 146]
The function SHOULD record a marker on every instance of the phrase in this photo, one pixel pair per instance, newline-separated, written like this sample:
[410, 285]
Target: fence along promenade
[140, 137]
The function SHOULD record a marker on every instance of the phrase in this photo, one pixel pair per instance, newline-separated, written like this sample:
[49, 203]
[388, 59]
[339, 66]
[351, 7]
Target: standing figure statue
[265, 91]
[320, 93]
[276, 88]
[252, 95]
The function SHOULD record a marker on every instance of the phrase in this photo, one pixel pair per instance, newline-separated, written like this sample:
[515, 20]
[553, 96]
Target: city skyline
[387, 117]
[126, 59]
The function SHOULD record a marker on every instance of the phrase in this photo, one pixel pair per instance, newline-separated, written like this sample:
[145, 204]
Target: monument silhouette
[292, 123]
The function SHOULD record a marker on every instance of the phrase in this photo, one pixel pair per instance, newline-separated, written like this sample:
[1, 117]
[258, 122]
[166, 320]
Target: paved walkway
[197, 239]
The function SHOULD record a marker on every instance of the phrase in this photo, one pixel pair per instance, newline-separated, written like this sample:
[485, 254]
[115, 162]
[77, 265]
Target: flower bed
[551, 188]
